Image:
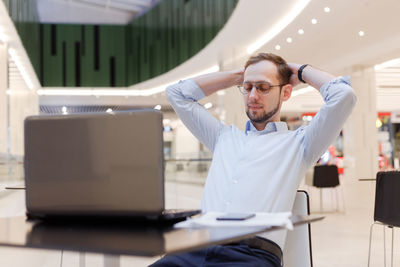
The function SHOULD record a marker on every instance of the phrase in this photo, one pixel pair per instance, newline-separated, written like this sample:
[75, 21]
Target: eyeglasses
[261, 87]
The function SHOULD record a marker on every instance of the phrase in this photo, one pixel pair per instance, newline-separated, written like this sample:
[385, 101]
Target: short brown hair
[284, 71]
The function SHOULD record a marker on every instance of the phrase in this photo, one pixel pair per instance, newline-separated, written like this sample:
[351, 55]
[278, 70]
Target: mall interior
[78, 56]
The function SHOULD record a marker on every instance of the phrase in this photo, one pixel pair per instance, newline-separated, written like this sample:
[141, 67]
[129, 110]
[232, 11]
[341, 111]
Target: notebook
[96, 165]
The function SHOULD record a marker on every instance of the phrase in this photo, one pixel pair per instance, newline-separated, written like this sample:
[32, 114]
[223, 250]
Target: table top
[122, 238]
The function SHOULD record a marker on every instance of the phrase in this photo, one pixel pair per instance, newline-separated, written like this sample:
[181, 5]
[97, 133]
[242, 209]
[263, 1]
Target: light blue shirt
[260, 171]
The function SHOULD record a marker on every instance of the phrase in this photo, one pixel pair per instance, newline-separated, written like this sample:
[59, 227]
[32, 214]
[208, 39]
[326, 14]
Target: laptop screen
[99, 163]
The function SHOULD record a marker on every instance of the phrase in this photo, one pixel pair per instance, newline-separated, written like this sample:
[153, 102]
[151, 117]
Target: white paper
[262, 219]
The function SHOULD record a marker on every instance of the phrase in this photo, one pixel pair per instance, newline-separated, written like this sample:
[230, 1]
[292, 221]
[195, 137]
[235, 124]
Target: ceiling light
[158, 107]
[123, 92]
[3, 37]
[109, 110]
[300, 31]
[278, 47]
[64, 110]
[327, 9]
[208, 105]
[221, 92]
[361, 33]
[386, 64]
[314, 21]
[279, 26]
[289, 40]
[13, 53]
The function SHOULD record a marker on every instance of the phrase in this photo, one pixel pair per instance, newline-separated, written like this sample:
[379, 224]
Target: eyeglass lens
[261, 87]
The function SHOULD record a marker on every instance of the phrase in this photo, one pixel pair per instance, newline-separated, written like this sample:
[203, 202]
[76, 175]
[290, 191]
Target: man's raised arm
[184, 95]
[339, 100]
[210, 83]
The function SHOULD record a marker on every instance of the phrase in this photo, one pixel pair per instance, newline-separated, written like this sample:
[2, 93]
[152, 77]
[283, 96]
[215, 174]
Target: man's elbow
[349, 97]
[170, 92]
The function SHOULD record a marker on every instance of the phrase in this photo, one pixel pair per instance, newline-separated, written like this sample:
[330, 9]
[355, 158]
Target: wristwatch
[300, 72]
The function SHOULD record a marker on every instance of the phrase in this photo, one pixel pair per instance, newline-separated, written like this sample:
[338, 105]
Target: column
[3, 98]
[360, 132]
[232, 108]
[230, 101]
[22, 103]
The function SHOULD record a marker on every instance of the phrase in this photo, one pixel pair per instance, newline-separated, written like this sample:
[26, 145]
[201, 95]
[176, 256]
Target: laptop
[97, 165]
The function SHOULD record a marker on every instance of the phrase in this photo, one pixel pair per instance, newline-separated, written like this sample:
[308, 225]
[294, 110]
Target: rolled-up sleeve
[325, 127]
[183, 97]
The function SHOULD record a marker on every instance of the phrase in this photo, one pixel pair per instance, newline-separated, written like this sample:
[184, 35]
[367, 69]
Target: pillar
[360, 132]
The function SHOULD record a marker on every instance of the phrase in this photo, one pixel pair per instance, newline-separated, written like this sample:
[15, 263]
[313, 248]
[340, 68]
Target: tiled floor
[341, 239]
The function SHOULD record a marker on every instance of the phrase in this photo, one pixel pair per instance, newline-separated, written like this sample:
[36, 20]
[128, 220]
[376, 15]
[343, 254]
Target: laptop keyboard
[180, 212]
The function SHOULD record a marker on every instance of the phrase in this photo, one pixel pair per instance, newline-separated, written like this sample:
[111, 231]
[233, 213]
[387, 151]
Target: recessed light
[64, 110]
[289, 40]
[3, 38]
[300, 31]
[208, 105]
[278, 47]
[221, 92]
[327, 9]
[361, 33]
[158, 107]
[109, 110]
[314, 21]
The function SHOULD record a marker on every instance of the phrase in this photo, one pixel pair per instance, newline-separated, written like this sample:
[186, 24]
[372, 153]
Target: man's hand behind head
[239, 73]
[294, 80]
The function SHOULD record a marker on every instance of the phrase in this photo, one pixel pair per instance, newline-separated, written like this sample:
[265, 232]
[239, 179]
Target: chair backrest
[326, 176]
[387, 198]
[297, 251]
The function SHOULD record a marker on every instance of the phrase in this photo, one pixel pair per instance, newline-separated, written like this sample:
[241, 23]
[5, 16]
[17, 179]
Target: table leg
[82, 262]
[111, 261]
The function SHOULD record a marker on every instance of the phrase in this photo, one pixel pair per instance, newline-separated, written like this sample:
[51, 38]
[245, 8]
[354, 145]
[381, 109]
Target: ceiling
[333, 44]
[92, 11]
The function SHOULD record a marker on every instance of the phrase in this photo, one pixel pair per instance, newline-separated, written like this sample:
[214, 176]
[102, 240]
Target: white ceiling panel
[92, 11]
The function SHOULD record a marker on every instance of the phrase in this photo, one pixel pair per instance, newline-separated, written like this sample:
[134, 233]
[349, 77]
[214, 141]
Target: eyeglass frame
[241, 87]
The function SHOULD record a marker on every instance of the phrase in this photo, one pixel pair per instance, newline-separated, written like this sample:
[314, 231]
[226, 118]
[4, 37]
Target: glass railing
[187, 170]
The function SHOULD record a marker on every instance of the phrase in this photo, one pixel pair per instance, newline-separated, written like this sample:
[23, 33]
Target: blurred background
[73, 56]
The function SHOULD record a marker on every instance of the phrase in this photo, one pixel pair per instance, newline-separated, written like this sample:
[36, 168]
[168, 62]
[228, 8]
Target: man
[260, 169]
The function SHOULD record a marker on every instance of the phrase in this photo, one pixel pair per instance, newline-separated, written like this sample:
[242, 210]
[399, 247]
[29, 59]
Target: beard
[263, 117]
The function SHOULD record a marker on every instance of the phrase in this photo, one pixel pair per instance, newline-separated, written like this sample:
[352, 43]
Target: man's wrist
[237, 76]
[300, 73]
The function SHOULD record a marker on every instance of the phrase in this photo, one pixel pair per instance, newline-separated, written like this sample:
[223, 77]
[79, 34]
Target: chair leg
[370, 239]
[320, 200]
[391, 263]
[337, 200]
[384, 246]
[61, 258]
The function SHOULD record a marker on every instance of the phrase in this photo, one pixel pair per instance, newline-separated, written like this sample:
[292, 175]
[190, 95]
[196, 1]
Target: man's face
[261, 108]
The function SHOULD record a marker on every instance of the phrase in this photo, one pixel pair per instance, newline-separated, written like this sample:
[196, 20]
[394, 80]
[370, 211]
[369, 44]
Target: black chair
[387, 206]
[327, 176]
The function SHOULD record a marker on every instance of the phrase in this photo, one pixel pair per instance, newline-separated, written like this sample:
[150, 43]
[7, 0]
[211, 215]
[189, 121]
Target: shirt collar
[270, 127]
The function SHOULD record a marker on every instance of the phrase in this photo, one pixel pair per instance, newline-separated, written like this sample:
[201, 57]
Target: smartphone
[235, 216]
